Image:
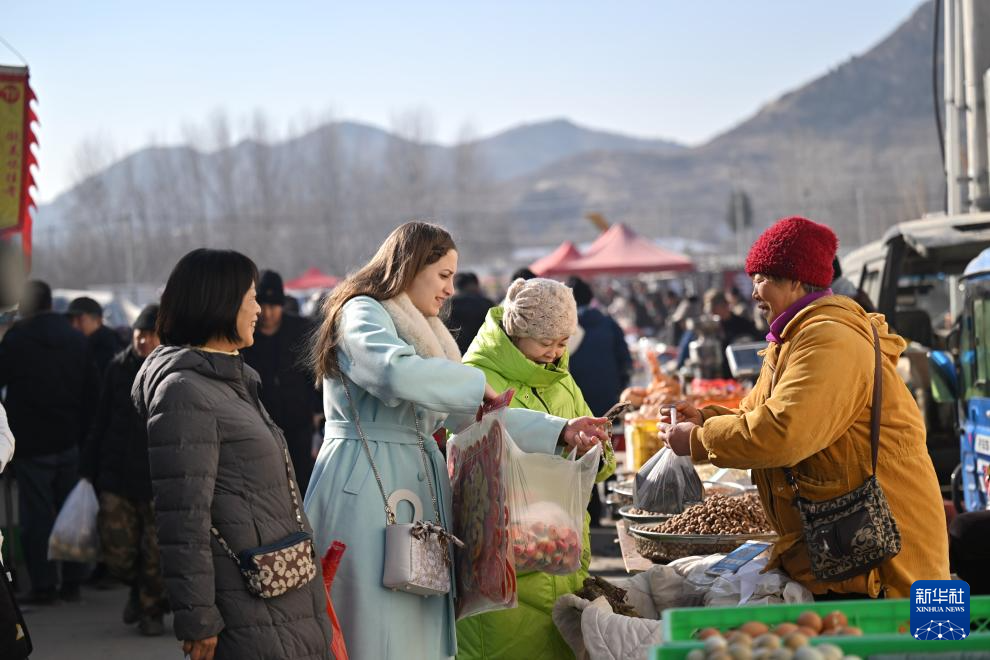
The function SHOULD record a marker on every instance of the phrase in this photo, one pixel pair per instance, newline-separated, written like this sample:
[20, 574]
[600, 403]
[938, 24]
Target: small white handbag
[417, 554]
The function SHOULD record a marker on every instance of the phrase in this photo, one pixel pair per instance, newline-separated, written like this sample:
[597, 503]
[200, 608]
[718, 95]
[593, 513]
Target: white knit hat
[539, 308]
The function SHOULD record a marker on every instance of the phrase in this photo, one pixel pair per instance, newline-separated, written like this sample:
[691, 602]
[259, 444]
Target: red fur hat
[795, 248]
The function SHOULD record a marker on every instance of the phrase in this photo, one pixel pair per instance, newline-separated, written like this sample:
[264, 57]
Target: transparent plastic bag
[667, 483]
[74, 536]
[478, 466]
[548, 495]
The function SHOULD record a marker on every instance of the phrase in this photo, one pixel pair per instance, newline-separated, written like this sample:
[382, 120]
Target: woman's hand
[583, 433]
[200, 649]
[677, 436]
[490, 393]
[685, 413]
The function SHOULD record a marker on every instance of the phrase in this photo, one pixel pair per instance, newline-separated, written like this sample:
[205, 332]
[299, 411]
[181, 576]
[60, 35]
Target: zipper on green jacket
[545, 406]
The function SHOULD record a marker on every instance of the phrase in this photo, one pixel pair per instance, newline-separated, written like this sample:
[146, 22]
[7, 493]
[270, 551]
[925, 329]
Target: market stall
[565, 253]
[620, 251]
[313, 278]
[695, 558]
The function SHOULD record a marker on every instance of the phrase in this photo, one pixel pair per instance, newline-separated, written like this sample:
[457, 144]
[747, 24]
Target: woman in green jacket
[523, 346]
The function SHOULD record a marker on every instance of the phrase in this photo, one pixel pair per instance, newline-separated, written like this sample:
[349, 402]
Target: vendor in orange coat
[816, 419]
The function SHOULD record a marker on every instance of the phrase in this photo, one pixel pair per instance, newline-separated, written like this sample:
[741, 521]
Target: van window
[975, 342]
[870, 282]
[929, 293]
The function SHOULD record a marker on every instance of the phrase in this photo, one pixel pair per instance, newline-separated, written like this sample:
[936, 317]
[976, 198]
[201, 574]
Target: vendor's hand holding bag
[851, 534]
[417, 554]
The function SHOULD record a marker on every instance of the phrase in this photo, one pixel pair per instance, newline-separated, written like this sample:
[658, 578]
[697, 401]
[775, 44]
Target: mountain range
[855, 147]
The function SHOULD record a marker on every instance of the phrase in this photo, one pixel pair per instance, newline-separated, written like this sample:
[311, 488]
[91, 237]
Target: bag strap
[389, 513]
[223, 544]
[292, 493]
[875, 411]
[877, 400]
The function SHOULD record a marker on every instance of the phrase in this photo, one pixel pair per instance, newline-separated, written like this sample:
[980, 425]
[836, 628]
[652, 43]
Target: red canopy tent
[620, 251]
[313, 278]
[564, 254]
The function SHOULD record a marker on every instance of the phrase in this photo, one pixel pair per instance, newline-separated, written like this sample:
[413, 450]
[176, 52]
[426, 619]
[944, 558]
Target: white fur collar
[428, 335]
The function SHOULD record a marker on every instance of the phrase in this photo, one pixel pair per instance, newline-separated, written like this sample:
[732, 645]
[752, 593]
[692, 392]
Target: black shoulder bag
[15, 643]
[851, 534]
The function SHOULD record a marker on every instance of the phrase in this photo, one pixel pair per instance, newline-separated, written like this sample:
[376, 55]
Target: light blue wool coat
[391, 385]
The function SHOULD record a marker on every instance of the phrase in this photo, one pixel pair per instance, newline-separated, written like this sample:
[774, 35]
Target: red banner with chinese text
[16, 157]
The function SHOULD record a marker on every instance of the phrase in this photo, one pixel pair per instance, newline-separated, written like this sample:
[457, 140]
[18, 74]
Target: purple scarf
[779, 323]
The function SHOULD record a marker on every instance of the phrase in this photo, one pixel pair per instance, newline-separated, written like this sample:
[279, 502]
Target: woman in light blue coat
[381, 338]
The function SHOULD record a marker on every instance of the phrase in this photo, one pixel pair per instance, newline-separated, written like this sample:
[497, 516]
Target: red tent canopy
[564, 254]
[620, 251]
[313, 278]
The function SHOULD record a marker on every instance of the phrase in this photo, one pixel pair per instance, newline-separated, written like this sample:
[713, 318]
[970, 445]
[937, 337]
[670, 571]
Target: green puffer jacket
[528, 630]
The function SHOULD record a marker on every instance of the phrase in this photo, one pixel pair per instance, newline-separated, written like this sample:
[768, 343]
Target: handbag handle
[874, 412]
[389, 512]
[406, 495]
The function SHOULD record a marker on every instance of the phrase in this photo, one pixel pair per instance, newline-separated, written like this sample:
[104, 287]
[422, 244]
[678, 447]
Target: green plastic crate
[872, 616]
[864, 647]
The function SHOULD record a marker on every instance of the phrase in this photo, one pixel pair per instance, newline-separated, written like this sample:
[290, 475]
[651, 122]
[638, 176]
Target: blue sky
[125, 73]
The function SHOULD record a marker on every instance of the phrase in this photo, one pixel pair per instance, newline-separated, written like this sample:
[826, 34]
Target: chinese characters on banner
[16, 157]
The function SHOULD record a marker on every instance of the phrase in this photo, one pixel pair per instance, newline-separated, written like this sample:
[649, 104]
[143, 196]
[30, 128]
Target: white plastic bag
[74, 536]
[477, 463]
[548, 495]
[667, 483]
[750, 585]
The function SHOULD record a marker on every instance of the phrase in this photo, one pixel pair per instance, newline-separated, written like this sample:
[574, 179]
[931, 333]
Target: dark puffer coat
[217, 459]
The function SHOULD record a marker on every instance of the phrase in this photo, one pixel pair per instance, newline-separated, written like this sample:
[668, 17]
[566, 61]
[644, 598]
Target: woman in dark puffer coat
[217, 460]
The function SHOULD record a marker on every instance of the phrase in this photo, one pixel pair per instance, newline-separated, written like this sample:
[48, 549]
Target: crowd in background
[68, 392]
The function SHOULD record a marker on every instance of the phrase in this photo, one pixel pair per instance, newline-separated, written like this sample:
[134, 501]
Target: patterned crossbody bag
[271, 570]
[850, 534]
[417, 554]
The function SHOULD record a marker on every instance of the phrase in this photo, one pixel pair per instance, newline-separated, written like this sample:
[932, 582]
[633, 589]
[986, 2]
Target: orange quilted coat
[817, 422]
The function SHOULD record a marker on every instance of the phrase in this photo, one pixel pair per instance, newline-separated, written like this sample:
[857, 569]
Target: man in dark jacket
[51, 383]
[601, 363]
[117, 462]
[86, 316]
[468, 309]
[287, 384]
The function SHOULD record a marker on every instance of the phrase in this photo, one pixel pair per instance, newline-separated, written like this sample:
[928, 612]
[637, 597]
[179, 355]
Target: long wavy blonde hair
[408, 249]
